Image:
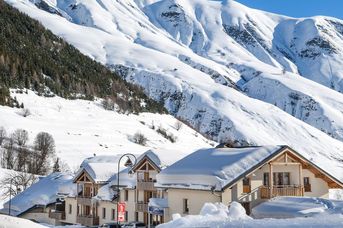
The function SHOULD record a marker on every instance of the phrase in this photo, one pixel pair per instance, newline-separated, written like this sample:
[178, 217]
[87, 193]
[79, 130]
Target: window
[266, 179]
[113, 216]
[185, 206]
[307, 184]
[246, 185]
[136, 216]
[126, 195]
[281, 178]
[103, 213]
[126, 216]
[70, 209]
[78, 210]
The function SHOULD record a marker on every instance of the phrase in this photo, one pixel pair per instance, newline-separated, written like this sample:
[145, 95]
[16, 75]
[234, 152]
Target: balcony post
[270, 180]
[301, 180]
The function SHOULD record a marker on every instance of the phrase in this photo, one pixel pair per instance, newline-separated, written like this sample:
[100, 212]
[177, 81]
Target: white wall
[196, 200]
[71, 218]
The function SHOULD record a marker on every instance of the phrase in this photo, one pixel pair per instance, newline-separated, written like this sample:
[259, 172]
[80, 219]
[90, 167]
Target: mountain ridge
[220, 81]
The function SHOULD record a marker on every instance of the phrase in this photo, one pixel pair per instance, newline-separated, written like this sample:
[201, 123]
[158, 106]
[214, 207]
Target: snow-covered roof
[215, 167]
[99, 168]
[158, 202]
[107, 191]
[44, 192]
[162, 157]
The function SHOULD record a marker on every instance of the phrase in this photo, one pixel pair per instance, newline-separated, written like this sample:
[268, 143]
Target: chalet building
[43, 201]
[97, 195]
[94, 173]
[162, 183]
[138, 190]
[247, 175]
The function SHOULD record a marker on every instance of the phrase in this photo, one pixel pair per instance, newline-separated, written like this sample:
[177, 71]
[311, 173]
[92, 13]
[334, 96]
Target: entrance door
[246, 206]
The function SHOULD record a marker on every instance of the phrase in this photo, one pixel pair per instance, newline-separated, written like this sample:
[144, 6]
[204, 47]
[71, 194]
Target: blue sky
[299, 8]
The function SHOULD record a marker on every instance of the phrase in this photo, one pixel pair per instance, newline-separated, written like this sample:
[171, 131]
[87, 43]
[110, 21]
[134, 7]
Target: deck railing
[284, 190]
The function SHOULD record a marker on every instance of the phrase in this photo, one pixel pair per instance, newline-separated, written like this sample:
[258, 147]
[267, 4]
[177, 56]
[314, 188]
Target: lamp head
[128, 162]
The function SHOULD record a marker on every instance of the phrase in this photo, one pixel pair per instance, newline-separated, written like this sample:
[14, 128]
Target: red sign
[121, 212]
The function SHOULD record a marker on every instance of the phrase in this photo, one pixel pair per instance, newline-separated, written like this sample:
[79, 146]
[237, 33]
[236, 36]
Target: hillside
[32, 57]
[83, 128]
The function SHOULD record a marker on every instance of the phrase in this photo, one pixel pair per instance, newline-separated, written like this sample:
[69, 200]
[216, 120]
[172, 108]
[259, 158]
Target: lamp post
[128, 163]
[9, 202]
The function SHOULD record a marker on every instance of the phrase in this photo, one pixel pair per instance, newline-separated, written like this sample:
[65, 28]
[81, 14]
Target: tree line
[34, 58]
[17, 154]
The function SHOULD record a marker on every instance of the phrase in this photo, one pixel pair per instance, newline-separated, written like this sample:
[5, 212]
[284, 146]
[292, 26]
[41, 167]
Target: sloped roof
[219, 168]
[214, 167]
[44, 192]
[99, 168]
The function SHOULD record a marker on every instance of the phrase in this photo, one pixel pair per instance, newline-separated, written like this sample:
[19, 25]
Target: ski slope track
[232, 72]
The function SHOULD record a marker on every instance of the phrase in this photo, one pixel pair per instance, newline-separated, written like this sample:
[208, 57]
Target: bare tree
[15, 182]
[9, 154]
[20, 137]
[3, 135]
[178, 125]
[57, 166]
[44, 146]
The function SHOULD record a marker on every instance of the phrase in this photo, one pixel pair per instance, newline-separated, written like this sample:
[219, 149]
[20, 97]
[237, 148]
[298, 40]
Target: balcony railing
[141, 207]
[87, 220]
[84, 200]
[284, 190]
[146, 185]
[58, 215]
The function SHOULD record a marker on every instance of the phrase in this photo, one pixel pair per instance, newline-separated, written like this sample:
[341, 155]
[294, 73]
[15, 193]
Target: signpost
[121, 212]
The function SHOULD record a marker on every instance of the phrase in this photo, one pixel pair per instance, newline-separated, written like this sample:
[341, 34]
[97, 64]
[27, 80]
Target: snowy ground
[14, 222]
[217, 215]
[83, 128]
[290, 207]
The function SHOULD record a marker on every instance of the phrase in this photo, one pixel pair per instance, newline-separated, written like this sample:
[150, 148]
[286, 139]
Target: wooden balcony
[87, 220]
[281, 191]
[141, 207]
[84, 200]
[146, 186]
[58, 215]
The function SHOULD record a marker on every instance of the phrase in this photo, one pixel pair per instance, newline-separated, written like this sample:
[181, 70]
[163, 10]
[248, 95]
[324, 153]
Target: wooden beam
[285, 163]
[319, 175]
[270, 180]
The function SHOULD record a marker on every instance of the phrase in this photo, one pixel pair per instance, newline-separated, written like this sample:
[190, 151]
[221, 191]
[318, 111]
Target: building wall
[71, 217]
[196, 200]
[130, 207]
[319, 187]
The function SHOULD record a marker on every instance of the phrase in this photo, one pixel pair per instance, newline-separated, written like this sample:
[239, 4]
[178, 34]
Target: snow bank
[219, 216]
[291, 207]
[14, 222]
[211, 215]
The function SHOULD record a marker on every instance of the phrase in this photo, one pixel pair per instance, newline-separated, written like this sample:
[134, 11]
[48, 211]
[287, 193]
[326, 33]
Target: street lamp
[128, 163]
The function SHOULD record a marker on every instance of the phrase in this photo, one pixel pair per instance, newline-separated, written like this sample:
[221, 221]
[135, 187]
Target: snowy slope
[198, 74]
[82, 128]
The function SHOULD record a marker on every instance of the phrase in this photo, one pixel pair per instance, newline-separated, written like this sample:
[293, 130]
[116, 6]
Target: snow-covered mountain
[233, 73]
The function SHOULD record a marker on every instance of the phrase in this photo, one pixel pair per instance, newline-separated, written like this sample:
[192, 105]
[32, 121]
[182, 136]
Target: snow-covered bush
[139, 138]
